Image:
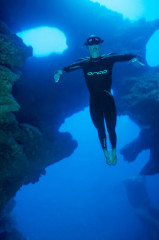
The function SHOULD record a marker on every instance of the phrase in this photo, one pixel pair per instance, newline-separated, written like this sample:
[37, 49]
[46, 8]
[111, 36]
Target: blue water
[81, 197]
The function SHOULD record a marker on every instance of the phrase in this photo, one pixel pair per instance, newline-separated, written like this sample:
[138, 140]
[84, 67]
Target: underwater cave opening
[152, 50]
[44, 40]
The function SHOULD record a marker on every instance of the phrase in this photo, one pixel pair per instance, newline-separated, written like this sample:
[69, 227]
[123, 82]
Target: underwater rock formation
[25, 151]
[8, 224]
[137, 95]
[140, 201]
[139, 99]
[13, 51]
[120, 35]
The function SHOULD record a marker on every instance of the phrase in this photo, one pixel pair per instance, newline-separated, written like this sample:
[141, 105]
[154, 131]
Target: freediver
[98, 74]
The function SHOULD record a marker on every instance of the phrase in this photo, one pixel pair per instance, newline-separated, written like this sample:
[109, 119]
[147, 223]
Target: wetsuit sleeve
[120, 58]
[72, 67]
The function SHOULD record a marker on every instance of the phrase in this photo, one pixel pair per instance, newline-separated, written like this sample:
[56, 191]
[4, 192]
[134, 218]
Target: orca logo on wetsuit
[98, 73]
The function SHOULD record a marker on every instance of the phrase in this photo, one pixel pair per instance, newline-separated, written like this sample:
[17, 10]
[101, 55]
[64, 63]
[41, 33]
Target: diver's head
[93, 43]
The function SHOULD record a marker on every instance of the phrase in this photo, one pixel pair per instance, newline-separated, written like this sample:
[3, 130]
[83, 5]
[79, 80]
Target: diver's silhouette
[98, 74]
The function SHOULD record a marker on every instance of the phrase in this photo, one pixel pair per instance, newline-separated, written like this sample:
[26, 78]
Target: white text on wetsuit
[98, 73]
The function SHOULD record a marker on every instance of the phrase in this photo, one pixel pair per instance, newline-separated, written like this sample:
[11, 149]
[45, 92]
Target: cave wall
[25, 151]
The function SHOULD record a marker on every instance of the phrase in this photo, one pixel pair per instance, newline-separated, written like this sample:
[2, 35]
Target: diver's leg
[113, 138]
[98, 121]
[110, 118]
[111, 131]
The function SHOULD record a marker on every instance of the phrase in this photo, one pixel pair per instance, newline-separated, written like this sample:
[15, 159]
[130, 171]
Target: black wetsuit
[98, 75]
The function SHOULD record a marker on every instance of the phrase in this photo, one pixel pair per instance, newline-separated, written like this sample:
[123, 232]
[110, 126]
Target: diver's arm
[72, 67]
[134, 59]
[124, 57]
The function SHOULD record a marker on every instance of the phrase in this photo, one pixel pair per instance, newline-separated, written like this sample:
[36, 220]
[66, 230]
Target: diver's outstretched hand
[57, 75]
[136, 61]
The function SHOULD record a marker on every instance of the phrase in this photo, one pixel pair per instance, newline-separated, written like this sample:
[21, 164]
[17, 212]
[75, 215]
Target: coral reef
[25, 151]
[8, 224]
[140, 101]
